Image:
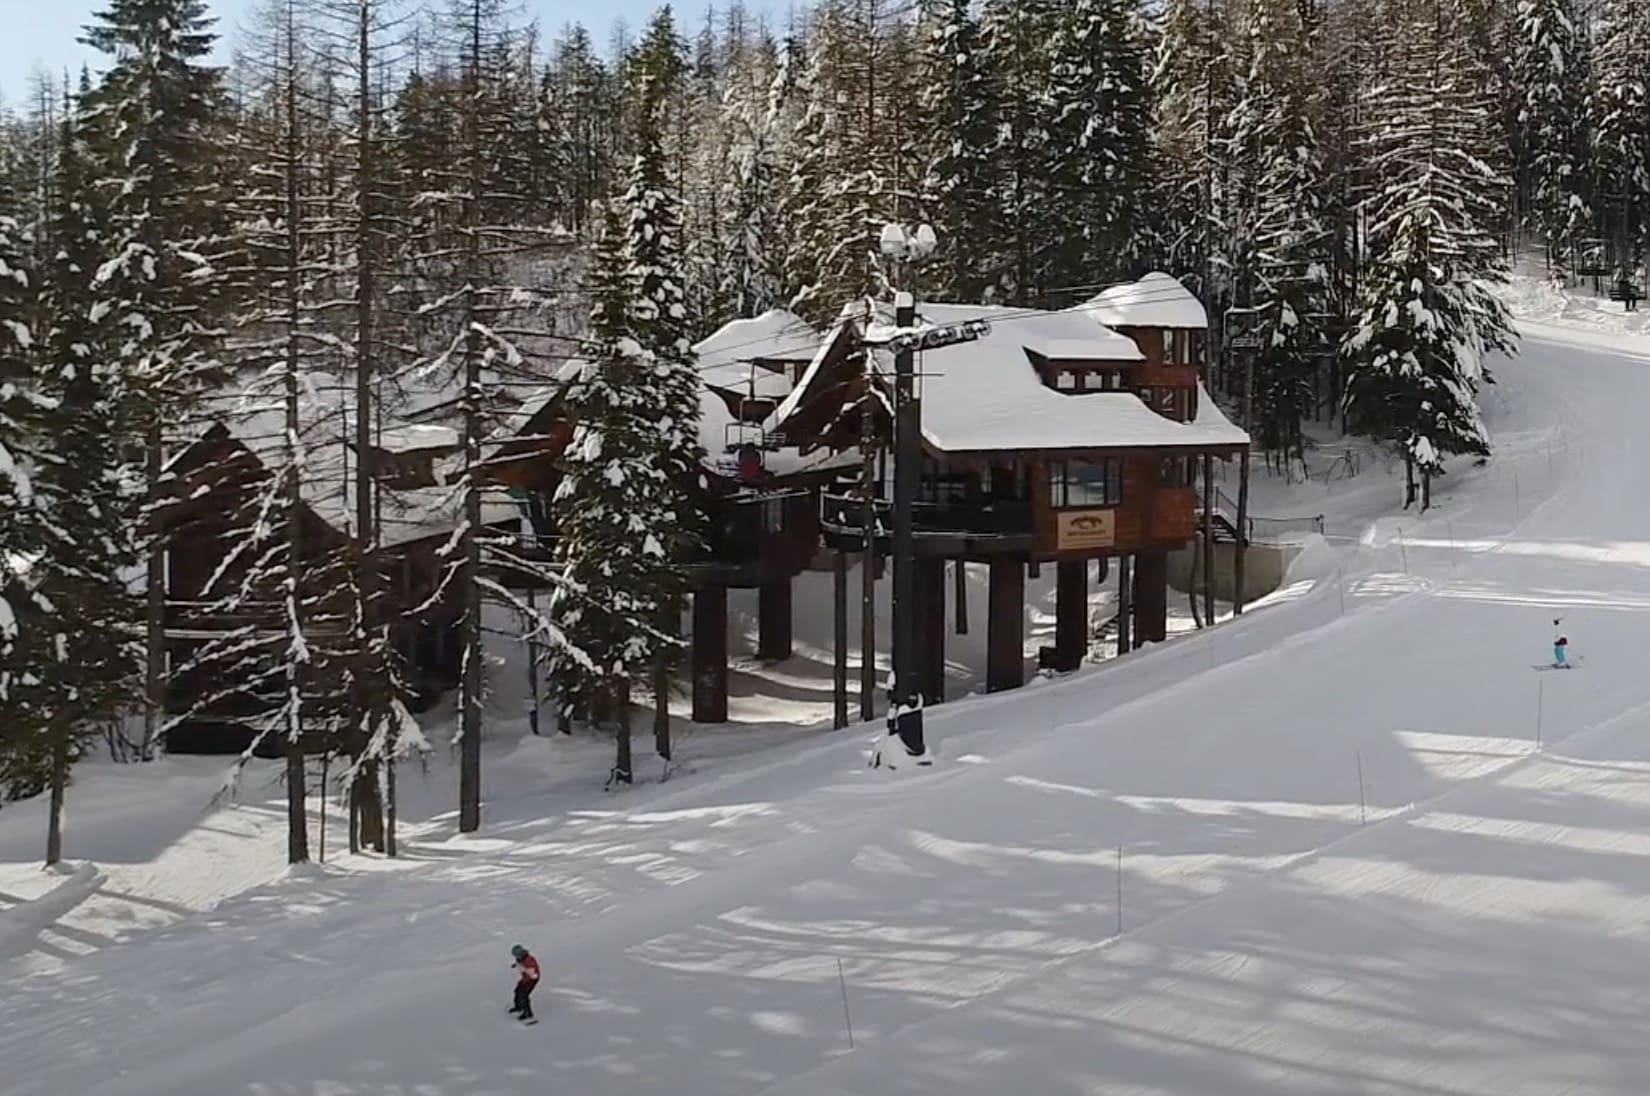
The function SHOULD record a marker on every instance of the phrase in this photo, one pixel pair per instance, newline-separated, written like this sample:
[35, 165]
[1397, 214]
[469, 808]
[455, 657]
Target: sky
[45, 37]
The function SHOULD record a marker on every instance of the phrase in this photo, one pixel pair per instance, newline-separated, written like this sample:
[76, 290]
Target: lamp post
[905, 695]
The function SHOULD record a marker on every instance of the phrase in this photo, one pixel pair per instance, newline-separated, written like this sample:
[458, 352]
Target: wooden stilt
[773, 621]
[1071, 609]
[1242, 532]
[710, 655]
[839, 632]
[1125, 605]
[1005, 626]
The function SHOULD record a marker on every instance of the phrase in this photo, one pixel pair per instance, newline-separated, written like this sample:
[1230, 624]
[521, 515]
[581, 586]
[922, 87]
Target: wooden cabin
[1063, 438]
[218, 488]
[759, 496]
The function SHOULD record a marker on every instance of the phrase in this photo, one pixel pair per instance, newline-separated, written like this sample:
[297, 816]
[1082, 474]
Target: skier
[527, 968]
[1560, 642]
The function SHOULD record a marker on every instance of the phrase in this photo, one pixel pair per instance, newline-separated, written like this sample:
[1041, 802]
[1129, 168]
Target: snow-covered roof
[985, 395]
[1157, 300]
[328, 487]
[412, 437]
[728, 359]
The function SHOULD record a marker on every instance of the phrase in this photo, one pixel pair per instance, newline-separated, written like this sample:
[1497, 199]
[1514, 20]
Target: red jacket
[529, 968]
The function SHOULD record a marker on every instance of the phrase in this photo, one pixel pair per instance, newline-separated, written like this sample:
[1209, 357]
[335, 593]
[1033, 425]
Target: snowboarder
[527, 968]
[1560, 643]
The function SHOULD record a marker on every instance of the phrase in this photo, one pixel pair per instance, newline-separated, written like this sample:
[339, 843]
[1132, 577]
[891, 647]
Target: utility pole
[905, 700]
[905, 706]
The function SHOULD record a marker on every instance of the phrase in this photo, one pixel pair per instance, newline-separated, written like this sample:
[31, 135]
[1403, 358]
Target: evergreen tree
[157, 115]
[1276, 142]
[1618, 110]
[1428, 317]
[1100, 130]
[959, 100]
[615, 507]
[25, 617]
[581, 123]
[1018, 38]
[1195, 93]
[1551, 79]
[86, 480]
[757, 113]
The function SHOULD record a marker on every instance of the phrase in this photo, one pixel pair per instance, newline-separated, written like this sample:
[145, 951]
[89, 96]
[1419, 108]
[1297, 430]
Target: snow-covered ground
[1353, 842]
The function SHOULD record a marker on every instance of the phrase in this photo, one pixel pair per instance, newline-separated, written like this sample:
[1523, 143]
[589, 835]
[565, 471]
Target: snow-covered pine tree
[669, 388]
[1618, 111]
[757, 112]
[1276, 145]
[585, 126]
[1100, 130]
[1194, 85]
[804, 213]
[1428, 317]
[853, 170]
[86, 480]
[1550, 80]
[157, 114]
[1017, 38]
[958, 98]
[26, 625]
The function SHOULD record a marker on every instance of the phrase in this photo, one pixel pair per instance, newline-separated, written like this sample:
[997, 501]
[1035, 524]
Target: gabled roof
[729, 358]
[1157, 300]
[257, 422]
[987, 396]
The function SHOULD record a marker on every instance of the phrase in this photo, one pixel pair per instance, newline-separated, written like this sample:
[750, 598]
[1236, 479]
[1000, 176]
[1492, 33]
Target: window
[1178, 354]
[941, 485]
[1077, 485]
[1175, 472]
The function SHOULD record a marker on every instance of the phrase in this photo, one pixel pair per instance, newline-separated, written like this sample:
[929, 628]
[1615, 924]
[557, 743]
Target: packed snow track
[1354, 843]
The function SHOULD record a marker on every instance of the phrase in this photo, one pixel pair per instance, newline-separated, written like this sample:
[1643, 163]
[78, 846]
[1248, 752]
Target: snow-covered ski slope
[1473, 918]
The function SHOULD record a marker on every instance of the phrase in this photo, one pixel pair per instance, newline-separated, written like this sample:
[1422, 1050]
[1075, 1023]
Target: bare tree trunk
[297, 818]
[469, 798]
[670, 618]
[1209, 539]
[59, 785]
[366, 796]
[154, 667]
[868, 561]
[1242, 534]
[618, 705]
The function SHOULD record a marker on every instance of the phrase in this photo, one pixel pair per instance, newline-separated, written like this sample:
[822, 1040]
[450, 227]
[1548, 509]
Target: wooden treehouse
[758, 495]
[1067, 439]
[218, 488]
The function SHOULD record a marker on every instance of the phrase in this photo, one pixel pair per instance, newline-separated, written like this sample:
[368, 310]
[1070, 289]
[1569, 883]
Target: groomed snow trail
[1345, 867]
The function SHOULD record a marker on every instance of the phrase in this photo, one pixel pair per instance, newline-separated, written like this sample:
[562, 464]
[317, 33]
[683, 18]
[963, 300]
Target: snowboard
[529, 1022]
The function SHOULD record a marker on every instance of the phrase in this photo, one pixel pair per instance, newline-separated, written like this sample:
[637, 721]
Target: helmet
[518, 951]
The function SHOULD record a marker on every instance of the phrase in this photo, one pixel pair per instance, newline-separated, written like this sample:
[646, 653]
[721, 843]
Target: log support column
[1151, 597]
[930, 629]
[710, 655]
[839, 636]
[1005, 666]
[773, 621]
[1071, 614]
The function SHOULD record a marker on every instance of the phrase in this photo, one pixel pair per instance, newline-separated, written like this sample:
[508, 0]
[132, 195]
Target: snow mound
[20, 924]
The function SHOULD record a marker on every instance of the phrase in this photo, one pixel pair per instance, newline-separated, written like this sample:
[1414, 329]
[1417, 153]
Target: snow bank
[21, 924]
